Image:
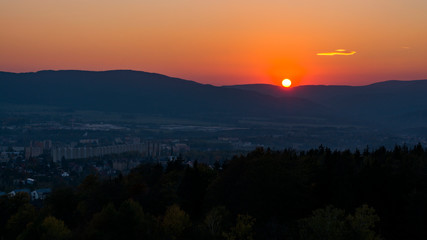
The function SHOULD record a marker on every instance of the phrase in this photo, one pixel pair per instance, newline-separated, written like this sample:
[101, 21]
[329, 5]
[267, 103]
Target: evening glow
[220, 42]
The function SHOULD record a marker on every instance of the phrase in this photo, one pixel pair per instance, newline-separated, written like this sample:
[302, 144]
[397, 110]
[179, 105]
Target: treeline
[315, 194]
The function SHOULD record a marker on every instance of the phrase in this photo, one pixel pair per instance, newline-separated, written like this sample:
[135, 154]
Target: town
[41, 152]
[40, 156]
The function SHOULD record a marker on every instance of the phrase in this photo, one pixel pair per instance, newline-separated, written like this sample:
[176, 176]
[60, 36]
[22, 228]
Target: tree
[175, 221]
[216, 221]
[326, 223]
[60, 202]
[104, 224]
[363, 222]
[243, 230]
[53, 228]
[332, 224]
[18, 222]
[133, 223]
[193, 187]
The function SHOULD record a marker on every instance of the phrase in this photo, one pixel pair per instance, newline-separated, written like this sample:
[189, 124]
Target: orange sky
[220, 42]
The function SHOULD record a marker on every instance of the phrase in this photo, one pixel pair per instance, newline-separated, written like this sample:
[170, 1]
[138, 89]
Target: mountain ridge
[132, 91]
[380, 101]
[389, 103]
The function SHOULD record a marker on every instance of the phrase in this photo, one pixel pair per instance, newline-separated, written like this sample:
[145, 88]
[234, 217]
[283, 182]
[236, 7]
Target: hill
[394, 103]
[142, 92]
[384, 113]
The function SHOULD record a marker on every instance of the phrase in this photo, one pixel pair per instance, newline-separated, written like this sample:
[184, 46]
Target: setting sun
[286, 83]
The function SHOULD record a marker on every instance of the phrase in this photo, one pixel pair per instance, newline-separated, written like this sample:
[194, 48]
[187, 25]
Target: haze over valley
[150, 105]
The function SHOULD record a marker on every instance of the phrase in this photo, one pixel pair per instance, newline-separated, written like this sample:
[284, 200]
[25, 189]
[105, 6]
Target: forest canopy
[266, 194]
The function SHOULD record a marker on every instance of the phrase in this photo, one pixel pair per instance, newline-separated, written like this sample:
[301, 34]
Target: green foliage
[53, 228]
[134, 223]
[175, 221]
[104, 224]
[18, 222]
[264, 184]
[9, 206]
[216, 221]
[362, 223]
[45, 229]
[328, 223]
[243, 230]
[128, 222]
[332, 224]
[60, 202]
[280, 189]
[95, 194]
[192, 189]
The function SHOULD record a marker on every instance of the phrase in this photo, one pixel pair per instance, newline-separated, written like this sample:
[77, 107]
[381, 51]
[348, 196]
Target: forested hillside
[315, 194]
[141, 92]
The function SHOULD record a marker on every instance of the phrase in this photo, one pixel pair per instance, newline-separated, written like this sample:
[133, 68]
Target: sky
[221, 42]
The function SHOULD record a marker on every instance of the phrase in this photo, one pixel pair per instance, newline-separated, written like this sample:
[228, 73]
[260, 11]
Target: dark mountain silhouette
[397, 104]
[392, 103]
[146, 93]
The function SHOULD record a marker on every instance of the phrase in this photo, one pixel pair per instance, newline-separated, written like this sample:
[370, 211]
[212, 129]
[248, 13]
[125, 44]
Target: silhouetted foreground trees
[316, 194]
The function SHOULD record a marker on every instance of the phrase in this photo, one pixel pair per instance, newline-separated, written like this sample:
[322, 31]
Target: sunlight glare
[286, 83]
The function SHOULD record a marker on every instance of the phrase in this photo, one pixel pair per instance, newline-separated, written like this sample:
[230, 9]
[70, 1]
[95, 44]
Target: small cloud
[407, 48]
[341, 52]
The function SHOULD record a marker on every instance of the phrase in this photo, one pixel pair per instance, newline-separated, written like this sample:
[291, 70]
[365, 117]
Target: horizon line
[141, 71]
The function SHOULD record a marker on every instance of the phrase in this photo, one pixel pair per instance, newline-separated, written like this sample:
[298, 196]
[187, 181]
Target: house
[30, 181]
[20, 191]
[41, 193]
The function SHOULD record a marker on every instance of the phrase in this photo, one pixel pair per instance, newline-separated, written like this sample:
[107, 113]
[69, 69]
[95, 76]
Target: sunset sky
[221, 42]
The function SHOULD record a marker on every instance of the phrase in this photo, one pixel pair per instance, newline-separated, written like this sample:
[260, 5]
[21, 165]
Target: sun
[286, 83]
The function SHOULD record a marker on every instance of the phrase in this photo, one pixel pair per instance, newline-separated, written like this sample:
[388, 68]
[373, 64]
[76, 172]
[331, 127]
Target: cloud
[341, 52]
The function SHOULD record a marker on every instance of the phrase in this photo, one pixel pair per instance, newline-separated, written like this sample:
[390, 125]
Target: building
[36, 148]
[41, 193]
[87, 152]
[20, 191]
